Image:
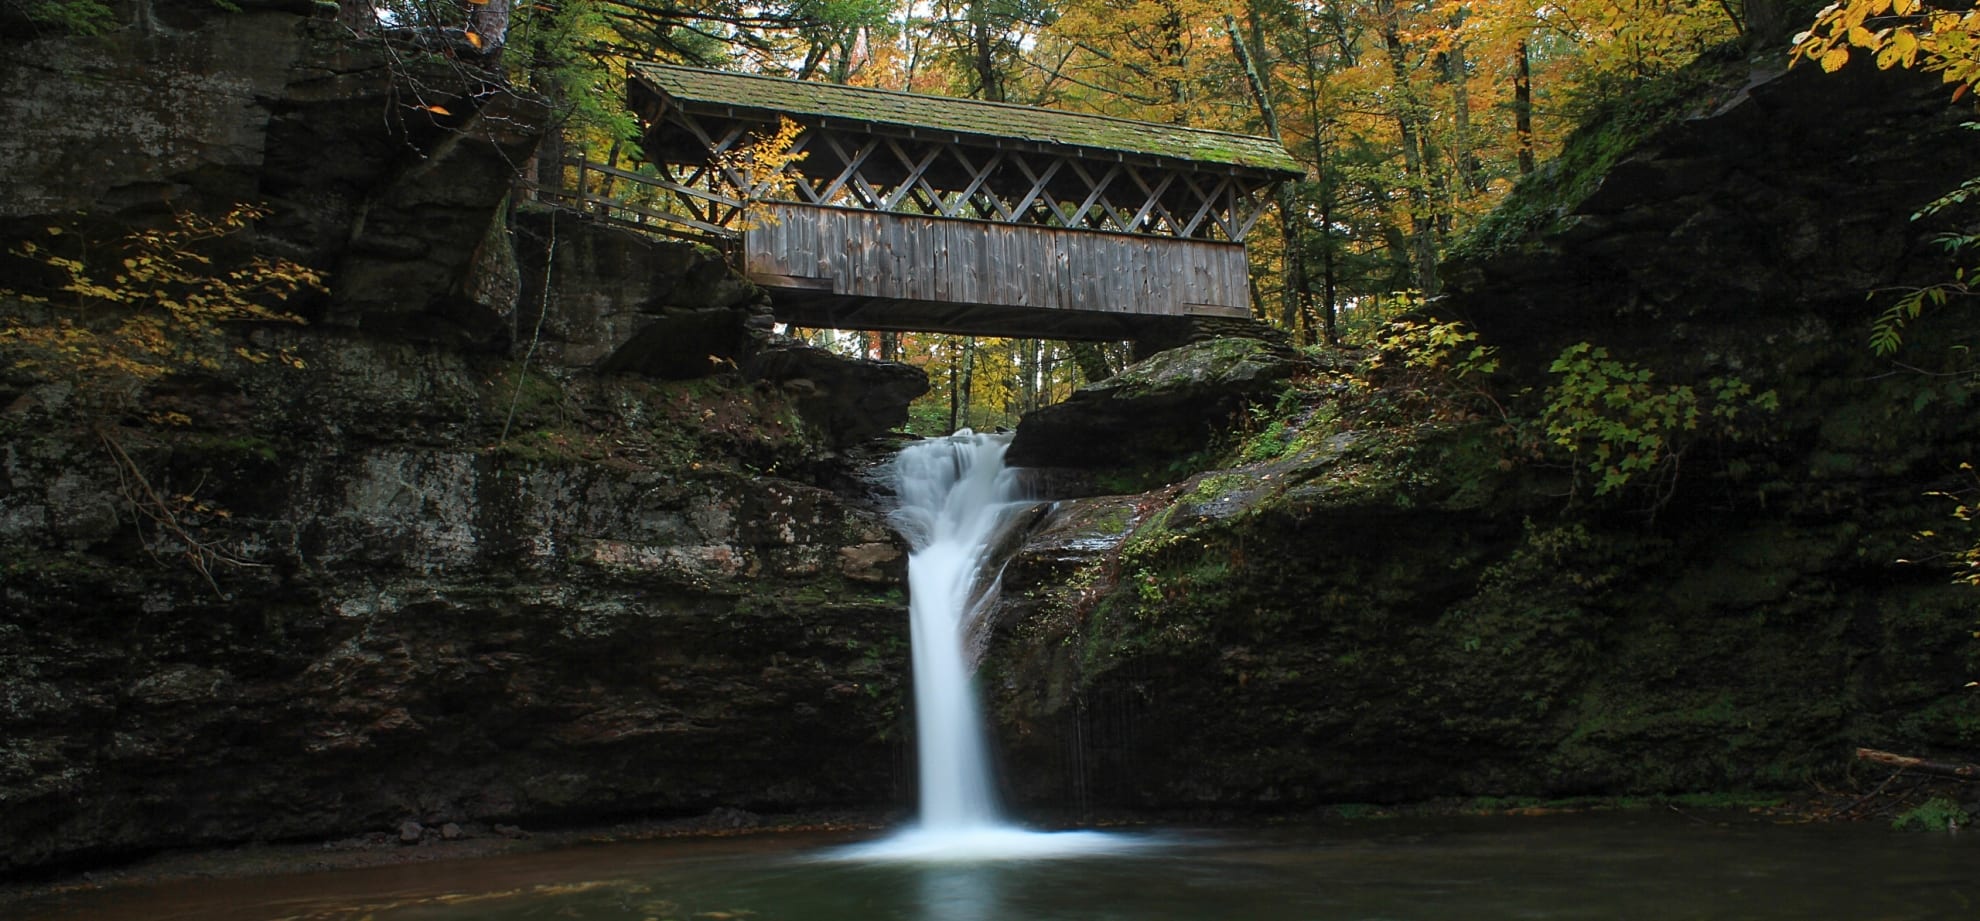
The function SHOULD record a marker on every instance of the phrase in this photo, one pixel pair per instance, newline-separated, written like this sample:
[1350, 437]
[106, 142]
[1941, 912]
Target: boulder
[854, 400]
[1174, 403]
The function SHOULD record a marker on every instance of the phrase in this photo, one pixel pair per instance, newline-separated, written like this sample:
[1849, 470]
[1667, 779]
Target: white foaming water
[955, 494]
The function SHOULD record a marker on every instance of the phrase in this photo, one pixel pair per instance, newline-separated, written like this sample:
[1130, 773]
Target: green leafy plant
[1966, 511]
[1887, 332]
[1935, 814]
[1439, 364]
[1620, 424]
[74, 17]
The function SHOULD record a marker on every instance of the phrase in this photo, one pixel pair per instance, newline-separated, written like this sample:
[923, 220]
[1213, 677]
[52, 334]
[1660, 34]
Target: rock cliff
[1367, 598]
[546, 527]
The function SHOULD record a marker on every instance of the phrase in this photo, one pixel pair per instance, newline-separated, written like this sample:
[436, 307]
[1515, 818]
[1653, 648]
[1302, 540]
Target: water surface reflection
[1654, 867]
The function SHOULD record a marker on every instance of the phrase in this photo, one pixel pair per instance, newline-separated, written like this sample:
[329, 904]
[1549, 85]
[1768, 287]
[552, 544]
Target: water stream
[955, 494]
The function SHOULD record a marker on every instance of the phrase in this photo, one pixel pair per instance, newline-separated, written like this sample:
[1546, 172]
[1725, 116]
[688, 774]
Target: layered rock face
[1357, 611]
[546, 527]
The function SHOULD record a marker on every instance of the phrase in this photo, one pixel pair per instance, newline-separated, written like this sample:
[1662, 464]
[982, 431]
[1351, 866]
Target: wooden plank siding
[867, 255]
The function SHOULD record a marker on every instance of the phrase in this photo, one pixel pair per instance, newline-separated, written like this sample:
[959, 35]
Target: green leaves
[1614, 417]
[1442, 365]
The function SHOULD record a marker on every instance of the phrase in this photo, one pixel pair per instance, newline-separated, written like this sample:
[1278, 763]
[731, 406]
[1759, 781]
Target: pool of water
[1653, 866]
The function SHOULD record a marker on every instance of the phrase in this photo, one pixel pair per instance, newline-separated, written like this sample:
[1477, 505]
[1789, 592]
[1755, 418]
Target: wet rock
[451, 832]
[410, 832]
[875, 562]
[730, 818]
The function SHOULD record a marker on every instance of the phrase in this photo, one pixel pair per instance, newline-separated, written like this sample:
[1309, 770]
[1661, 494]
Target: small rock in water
[410, 832]
[451, 832]
[510, 831]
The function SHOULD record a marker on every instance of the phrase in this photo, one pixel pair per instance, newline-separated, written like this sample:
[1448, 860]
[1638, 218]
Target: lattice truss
[1009, 183]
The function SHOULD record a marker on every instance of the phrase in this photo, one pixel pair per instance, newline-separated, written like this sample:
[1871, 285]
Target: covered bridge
[911, 212]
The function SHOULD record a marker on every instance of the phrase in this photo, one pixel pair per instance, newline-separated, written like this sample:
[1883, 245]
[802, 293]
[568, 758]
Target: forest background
[1412, 119]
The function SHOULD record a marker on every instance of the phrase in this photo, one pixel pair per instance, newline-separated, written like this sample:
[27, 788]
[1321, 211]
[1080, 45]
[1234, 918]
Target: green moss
[230, 446]
[531, 393]
[1216, 486]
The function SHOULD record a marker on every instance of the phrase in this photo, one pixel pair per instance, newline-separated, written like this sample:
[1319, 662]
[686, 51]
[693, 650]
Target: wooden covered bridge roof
[906, 211]
[964, 120]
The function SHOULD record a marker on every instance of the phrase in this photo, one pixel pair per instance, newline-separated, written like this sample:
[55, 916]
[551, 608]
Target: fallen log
[1962, 770]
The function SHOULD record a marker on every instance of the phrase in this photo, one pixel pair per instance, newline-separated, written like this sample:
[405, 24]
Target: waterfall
[954, 497]
[954, 492]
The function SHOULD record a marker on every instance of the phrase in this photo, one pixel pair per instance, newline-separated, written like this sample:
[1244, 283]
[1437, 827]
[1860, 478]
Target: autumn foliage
[1942, 39]
[112, 319]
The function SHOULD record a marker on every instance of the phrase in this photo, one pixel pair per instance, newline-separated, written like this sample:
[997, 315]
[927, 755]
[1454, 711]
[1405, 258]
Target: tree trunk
[983, 58]
[1091, 361]
[968, 376]
[1329, 270]
[1523, 109]
[1170, 25]
[955, 390]
[1465, 158]
[490, 22]
[1409, 121]
[1323, 176]
[1768, 23]
[1908, 763]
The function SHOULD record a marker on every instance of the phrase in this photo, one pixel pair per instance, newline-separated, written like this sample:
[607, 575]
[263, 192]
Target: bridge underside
[822, 309]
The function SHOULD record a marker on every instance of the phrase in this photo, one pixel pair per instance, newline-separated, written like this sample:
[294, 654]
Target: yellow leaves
[165, 312]
[440, 110]
[184, 504]
[1898, 33]
[473, 38]
[760, 170]
[1905, 43]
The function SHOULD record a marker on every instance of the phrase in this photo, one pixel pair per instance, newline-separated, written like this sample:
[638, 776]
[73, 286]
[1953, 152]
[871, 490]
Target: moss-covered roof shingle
[989, 120]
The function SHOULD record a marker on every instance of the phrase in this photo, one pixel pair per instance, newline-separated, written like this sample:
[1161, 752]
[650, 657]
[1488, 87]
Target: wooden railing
[627, 199]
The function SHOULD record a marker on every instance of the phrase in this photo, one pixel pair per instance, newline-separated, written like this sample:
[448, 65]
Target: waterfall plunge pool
[962, 861]
[1655, 866]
